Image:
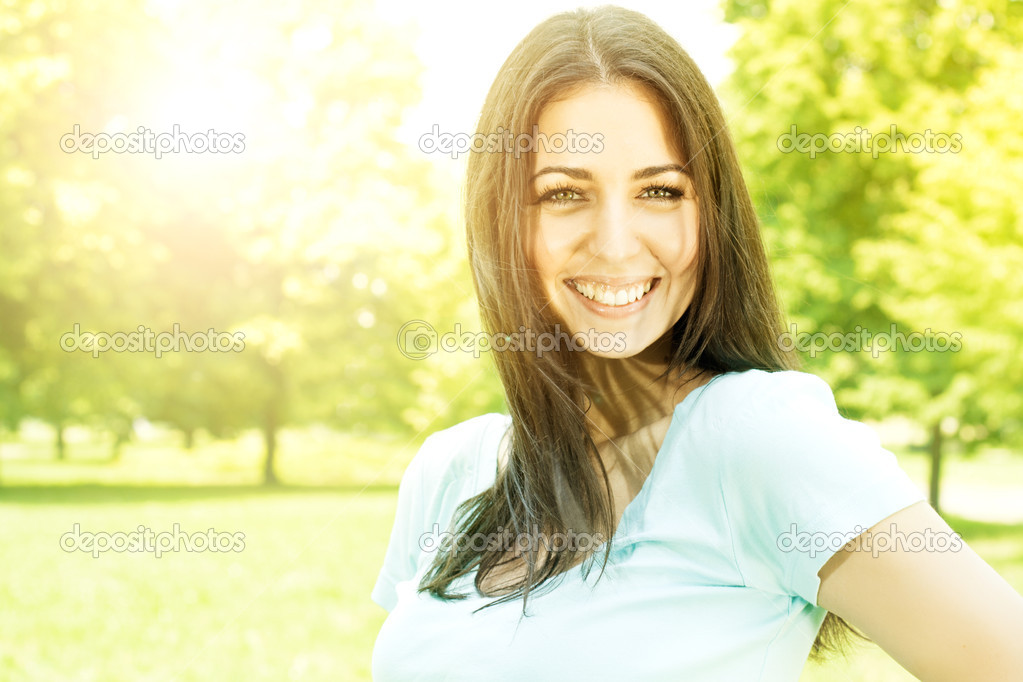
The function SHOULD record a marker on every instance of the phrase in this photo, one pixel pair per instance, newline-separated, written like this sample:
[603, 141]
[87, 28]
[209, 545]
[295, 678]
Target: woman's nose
[614, 236]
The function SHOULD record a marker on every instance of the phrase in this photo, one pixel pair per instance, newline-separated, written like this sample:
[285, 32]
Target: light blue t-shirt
[713, 570]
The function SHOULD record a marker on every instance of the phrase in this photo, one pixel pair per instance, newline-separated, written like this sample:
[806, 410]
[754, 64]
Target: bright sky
[464, 43]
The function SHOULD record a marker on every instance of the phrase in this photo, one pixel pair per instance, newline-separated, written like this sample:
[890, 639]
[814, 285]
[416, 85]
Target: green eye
[561, 195]
[662, 193]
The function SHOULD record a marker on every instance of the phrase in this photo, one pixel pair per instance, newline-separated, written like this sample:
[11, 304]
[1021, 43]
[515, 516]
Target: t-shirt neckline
[684, 406]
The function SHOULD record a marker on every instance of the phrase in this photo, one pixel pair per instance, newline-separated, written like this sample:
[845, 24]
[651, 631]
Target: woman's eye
[663, 193]
[561, 195]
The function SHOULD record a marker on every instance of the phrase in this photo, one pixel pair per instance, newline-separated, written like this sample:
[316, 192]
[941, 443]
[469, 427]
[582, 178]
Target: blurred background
[287, 265]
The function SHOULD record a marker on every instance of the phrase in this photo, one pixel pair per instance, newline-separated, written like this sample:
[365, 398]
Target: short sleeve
[400, 558]
[799, 481]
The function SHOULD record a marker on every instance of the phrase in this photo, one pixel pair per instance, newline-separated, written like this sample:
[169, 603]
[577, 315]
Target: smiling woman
[715, 484]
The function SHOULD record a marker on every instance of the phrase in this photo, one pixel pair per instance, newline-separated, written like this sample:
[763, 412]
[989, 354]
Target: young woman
[670, 441]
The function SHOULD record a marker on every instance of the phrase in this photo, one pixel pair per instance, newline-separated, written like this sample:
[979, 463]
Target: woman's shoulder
[466, 436]
[770, 380]
[457, 452]
[789, 465]
[758, 390]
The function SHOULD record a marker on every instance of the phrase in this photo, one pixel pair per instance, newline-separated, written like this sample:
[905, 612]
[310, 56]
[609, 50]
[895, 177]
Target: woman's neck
[627, 394]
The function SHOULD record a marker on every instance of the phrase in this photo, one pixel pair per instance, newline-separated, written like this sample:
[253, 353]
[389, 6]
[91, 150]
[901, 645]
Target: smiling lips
[613, 295]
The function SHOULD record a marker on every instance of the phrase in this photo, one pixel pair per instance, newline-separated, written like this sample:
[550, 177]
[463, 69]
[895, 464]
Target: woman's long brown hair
[549, 484]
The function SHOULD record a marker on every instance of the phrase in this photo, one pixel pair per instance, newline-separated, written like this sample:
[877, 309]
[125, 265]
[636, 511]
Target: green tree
[316, 242]
[922, 241]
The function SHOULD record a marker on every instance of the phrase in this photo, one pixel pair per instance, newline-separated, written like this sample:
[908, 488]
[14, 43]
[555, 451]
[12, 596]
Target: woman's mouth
[613, 298]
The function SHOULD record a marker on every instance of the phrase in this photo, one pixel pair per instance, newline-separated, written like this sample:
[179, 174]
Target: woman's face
[616, 233]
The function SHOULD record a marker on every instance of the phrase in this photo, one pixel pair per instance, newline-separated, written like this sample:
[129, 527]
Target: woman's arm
[942, 614]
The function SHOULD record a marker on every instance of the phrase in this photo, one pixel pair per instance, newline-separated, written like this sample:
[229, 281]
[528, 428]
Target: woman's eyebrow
[576, 173]
[657, 170]
[582, 174]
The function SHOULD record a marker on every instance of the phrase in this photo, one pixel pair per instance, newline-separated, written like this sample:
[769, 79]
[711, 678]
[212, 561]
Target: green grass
[305, 457]
[294, 604]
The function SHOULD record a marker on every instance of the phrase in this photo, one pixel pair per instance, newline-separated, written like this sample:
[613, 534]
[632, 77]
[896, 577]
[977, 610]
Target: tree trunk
[117, 446]
[936, 465]
[270, 442]
[60, 445]
[275, 410]
[189, 439]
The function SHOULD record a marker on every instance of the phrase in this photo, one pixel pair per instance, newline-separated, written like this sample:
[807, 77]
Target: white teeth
[610, 296]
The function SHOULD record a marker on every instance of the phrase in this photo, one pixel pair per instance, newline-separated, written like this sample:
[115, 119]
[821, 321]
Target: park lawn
[312, 456]
[293, 605]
